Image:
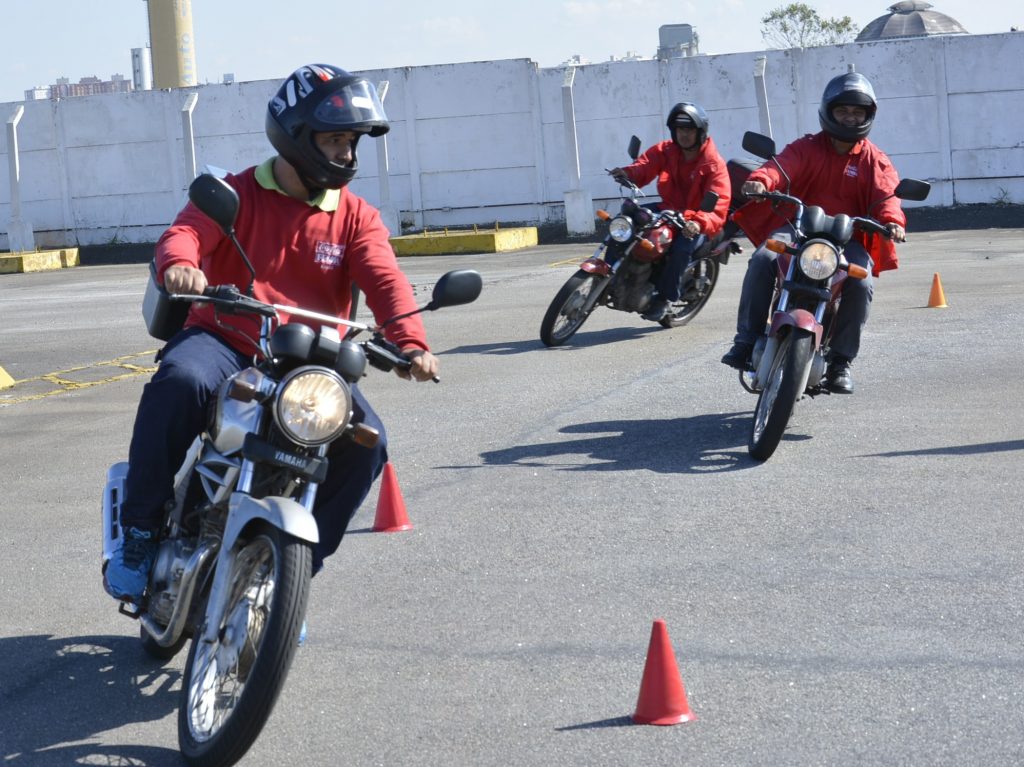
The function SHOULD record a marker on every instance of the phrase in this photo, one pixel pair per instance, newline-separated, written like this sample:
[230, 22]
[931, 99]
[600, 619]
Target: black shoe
[657, 310]
[838, 376]
[738, 356]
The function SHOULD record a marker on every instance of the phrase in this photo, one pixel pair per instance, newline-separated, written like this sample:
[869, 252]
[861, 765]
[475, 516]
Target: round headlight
[620, 229]
[313, 405]
[819, 260]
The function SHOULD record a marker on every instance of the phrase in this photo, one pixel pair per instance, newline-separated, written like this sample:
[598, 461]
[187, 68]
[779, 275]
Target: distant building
[677, 41]
[910, 18]
[87, 86]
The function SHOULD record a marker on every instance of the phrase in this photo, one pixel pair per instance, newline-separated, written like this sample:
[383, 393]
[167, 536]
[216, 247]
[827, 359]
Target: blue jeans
[759, 285]
[173, 411]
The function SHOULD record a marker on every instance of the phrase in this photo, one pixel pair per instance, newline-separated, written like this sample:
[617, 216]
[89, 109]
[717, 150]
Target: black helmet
[852, 89]
[320, 98]
[687, 115]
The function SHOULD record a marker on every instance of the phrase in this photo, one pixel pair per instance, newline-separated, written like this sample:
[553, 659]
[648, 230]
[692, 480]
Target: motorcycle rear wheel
[570, 307]
[229, 687]
[780, 393]
[701, 276]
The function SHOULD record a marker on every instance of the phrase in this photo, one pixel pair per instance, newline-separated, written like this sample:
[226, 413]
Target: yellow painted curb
[447, 242]
[6, 382]
[38, 260]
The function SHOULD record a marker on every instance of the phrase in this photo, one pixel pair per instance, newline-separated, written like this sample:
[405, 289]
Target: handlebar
[861, 222]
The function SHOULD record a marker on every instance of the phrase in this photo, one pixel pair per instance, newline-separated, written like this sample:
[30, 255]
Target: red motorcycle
[789, 360]
[624, 269]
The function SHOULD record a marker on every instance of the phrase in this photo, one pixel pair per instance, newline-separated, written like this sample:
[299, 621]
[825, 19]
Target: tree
[797, 25]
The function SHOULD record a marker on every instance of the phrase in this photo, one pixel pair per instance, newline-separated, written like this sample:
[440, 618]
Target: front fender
[596, 266]
[283, 513]
[797, 318]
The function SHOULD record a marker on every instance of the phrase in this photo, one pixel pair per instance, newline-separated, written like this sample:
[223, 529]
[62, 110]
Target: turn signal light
[646, 244]
[857, 272]
[603, 215]
[776, 246]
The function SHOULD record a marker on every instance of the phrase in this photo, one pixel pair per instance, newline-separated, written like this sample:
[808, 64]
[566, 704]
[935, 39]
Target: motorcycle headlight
[620, 229]
[313, 405]
[819, 259]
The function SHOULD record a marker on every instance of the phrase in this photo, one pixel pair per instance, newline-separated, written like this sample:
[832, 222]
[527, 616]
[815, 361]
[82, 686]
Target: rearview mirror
[912, 189]
[461, 286]
[216, 198]
[634, 147]
[759, 145]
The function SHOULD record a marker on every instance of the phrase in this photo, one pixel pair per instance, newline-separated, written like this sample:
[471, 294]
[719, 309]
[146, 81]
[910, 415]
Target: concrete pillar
[20, 237]
[579, 206]
[761, 92]
[188, 137]
[388, 211]
[173, 43]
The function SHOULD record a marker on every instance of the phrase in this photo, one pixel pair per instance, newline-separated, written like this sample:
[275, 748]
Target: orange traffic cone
[391, 516]
[662, 697]
[937, 300]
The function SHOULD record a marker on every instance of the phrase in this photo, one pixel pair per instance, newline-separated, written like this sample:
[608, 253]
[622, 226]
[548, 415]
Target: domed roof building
[910, 18]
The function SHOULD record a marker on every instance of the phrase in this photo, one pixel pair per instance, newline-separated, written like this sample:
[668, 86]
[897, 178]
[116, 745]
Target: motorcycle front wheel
[570, 307]
[780, 393]
[699, 280]
[229, 686]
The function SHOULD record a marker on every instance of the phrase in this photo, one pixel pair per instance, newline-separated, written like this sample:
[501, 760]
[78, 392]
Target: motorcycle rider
[840, 170]
[309, 238]
[687, 166]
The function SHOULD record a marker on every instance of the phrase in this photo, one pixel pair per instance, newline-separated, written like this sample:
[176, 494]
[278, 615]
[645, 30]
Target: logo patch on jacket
[851, 171]
[328, 255]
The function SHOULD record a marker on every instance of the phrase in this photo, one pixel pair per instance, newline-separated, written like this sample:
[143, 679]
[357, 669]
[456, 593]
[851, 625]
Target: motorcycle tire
[159, 652]
[702, 276]
[568, 311]
[780, 393]
[223, 710]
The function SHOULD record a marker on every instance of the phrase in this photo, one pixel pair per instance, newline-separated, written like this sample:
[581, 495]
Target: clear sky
[265, 39]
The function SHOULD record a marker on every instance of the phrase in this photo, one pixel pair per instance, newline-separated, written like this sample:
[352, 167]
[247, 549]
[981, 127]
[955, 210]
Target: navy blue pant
[759, 285]
[173, 411]
[676, 261]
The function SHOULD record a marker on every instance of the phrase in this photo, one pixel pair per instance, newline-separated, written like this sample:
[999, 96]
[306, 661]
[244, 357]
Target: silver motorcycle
[235, 552]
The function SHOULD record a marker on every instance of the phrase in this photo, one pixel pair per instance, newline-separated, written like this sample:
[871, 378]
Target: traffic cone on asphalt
[662, 698]
[391, 516]
[937, 300]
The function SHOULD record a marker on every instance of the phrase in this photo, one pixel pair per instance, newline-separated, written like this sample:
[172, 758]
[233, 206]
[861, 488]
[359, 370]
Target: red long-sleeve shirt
[851, 183]
[682, 184]
[303, 255]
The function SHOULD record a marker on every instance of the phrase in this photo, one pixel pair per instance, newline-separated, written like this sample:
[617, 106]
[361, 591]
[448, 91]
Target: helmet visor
[353, 107]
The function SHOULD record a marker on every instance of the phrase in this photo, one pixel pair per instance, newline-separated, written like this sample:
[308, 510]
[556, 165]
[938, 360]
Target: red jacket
[682, 184]
[849, 183]
[303, 256]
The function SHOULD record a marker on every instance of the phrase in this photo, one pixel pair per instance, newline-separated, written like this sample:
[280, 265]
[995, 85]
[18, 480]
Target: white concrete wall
[484, 142]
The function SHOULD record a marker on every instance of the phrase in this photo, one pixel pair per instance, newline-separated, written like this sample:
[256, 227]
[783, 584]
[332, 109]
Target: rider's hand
[897, 232]
[424, 365]
[619, 175]
[185, 280]
[690, 229]
[753, 187]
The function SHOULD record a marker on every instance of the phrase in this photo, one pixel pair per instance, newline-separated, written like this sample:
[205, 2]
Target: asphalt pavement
[855, 600]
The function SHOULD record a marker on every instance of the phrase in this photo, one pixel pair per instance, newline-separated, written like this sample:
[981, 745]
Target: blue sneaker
[127, 572]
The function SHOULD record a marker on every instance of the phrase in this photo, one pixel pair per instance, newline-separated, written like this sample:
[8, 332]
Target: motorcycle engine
[632, 290]
[170, 563]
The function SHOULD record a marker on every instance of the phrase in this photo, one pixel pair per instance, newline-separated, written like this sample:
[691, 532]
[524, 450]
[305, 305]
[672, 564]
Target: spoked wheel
[230, 685]
[570, 307]
[699, 280]
[781, 391]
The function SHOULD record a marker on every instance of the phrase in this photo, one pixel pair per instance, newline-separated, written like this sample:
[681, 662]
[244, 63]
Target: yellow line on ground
[65, 385]
[567, 262]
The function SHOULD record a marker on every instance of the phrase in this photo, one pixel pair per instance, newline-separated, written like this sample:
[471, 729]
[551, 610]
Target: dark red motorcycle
[624, 269]
[789, 360]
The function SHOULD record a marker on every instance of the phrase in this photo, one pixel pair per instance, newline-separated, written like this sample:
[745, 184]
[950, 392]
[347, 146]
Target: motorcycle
[235, 554]
[623, 271]
[789, 360]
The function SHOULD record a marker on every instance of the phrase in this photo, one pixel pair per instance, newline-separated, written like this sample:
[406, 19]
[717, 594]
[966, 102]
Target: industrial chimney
[172, 43]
